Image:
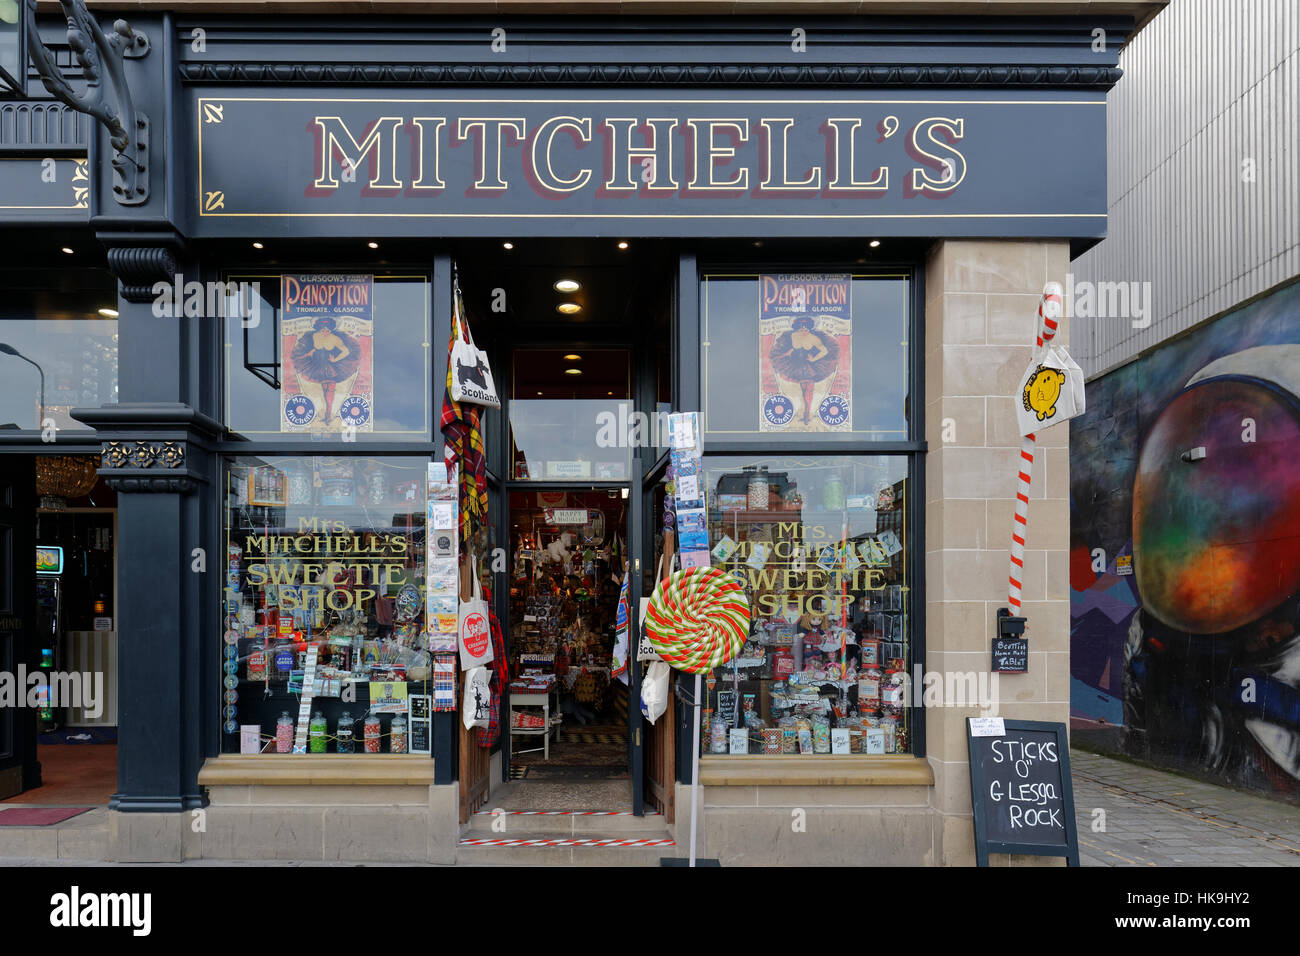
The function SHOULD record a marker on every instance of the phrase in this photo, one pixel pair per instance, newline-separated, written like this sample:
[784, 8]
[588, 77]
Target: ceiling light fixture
[874, 243]
[568, 308]
[67, 250]
[573, 371]
[108, 313]
[573, 357]
[257, 245]
[622, 245]
[507, 245]
[567, 285]
[373, 245]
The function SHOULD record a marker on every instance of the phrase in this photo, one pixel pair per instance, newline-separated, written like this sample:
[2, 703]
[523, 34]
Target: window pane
[571, 415]
[78, 358]
[326, 553]
[822, 546]
[808, 357]
[361, 359]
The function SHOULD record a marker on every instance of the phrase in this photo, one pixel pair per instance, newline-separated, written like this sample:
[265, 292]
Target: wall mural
[1185, 553]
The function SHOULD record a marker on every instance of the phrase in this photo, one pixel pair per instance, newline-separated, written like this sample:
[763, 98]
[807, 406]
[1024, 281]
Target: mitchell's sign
[484, 165]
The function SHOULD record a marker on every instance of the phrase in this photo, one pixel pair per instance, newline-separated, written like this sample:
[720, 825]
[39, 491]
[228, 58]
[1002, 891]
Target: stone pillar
[980, 325]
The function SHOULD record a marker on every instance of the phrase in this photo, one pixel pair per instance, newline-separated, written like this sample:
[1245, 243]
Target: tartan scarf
[487, 736]
[463, 442]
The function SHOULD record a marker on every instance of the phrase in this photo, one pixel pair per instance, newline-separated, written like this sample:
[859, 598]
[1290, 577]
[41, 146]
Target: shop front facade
[826, 239]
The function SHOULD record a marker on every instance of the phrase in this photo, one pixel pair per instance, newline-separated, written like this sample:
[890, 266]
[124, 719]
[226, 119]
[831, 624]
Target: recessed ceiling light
[573, 371]
[567, 285]
[539, 393]
[622, 245]
[573, 357]
[568, 308]
[257, 245]
[373, 245]
[108, 313]
[609, 393]
[874, 243]
[507, 245]
[757, 243]
[67, 250]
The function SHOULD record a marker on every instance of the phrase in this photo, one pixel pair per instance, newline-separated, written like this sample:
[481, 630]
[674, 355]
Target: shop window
[60, 362]
[324, 598]
[571, 415]
[823, 546]
[805, 357]
[311, 355]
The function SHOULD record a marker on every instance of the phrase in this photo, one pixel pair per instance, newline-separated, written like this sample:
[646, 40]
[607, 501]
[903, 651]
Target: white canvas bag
[471, 376]
[475, 630]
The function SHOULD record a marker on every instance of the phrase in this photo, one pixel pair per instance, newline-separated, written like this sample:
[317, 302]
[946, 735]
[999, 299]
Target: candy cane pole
[1049, 315]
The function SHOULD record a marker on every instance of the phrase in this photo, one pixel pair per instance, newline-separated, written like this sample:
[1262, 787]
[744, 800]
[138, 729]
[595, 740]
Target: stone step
[503, 823]
[561, 849]
[57, 842]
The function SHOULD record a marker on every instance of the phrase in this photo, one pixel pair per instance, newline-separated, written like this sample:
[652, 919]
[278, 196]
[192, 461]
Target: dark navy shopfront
[606, 203]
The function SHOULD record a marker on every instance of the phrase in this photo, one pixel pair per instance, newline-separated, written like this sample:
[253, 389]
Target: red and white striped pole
[1049, 316]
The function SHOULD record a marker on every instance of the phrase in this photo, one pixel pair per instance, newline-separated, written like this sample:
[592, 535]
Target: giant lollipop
[698, 618]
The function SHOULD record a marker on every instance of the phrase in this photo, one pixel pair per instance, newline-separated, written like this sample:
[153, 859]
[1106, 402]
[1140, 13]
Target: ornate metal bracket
[100, 53]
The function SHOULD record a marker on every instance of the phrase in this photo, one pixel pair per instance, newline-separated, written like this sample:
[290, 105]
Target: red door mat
[38, 816]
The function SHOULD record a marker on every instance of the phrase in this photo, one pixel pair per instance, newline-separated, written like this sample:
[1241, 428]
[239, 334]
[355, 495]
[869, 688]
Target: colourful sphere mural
[1216, 542]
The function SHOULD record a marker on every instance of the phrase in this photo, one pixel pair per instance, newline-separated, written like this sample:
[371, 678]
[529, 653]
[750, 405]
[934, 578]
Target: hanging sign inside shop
[1021, 791]
[805, 328]
[327, 353]
[479, 163]
[566, 515]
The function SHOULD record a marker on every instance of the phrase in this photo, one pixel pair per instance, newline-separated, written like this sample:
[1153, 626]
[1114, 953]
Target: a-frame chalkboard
[1021, 792]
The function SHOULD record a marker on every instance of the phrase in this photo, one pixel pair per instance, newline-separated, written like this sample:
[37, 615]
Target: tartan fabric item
[487, 736]
[463, 442]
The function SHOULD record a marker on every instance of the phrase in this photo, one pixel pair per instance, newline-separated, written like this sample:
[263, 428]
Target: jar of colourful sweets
[284, 734]
[317, 737]
[372, 733]
[397, 735]
[347, 743]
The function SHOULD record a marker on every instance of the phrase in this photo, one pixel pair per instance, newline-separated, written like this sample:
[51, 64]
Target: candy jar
[347, 743]
[372, 734]
[316, 734]
[869, 681]
[284, 734]
[397, 735]
[892, 690]
[821, 734]
[890, 725]
[718, 735]
[759, 490]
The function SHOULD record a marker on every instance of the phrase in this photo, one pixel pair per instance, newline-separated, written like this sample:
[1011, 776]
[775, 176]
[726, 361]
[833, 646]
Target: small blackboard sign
[1011, 655]
[420, 723]
[1021, 791]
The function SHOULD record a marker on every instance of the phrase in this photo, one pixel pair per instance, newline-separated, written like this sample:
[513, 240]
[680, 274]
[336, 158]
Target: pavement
[1132, 815]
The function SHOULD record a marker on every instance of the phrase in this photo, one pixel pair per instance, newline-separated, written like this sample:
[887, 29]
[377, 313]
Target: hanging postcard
[805, 353]
[326, 353]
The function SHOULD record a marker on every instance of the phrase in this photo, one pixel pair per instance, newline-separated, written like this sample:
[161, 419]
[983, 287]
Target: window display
[805, 356]
[324, 604]
[821, 546]
[314, 354]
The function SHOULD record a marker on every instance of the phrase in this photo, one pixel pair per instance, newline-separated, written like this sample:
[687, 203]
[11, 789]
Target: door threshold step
[567, 841]
[563, 813]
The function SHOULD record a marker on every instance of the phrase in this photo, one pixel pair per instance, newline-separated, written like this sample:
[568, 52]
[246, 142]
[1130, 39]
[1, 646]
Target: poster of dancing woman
[327, 355]
[806, 353]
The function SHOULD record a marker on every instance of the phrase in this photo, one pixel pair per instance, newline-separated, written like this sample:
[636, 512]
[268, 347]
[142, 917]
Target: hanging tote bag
[471, 376]
[475, 628]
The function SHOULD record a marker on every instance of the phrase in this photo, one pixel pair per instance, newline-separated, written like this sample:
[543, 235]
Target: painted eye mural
[1185, 553]
[1215, 538]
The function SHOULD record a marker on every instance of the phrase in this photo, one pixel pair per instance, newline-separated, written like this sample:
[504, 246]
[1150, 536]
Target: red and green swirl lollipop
[698, 619]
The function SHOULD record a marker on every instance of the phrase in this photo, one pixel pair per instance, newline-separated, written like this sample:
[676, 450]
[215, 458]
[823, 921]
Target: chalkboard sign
[1021, 791]
[1011, 654]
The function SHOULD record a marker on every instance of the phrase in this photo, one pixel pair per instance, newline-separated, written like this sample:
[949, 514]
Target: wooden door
[474, 761]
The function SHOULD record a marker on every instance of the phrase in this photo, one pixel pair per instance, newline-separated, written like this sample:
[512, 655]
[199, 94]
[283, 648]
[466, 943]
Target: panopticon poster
[326, 353]
[805, 353]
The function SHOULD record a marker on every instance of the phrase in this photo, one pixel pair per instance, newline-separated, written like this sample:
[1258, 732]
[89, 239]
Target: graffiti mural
[1185, 553]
